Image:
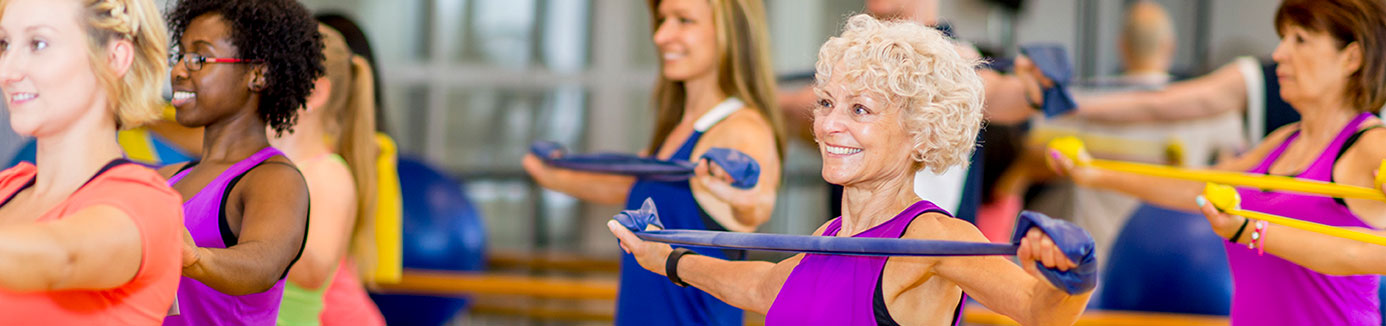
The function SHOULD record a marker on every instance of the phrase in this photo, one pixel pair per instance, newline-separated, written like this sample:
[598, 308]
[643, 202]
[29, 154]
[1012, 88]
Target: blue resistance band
[1076, 244]
[1052, 61]
[743, 169]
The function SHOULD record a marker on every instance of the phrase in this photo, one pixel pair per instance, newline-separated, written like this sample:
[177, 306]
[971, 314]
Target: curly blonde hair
[917, 69]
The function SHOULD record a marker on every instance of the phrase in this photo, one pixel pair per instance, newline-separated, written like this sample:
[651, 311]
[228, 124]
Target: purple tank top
[839, 289]
[199, 304]
[1269, 290]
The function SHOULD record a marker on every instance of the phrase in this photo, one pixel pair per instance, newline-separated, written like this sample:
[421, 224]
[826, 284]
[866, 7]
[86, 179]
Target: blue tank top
[646, 298]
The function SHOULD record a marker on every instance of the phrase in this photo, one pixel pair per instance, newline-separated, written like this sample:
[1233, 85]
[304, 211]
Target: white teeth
[179, 96]
[673, 56]
[842, 150]
[23, 97]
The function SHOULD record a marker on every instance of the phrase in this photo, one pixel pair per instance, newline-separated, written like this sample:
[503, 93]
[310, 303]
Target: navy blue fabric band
[1073, 241]
[1076, 244]
[743, 169]
[1052, 61]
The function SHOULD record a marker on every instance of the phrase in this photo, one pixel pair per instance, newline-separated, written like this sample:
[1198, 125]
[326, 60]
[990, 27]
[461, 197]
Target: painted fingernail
[1201, 201]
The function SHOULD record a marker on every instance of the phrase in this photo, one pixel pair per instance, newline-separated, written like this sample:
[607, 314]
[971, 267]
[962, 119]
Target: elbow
[47, 270]
[1048, 317]
[259, 285]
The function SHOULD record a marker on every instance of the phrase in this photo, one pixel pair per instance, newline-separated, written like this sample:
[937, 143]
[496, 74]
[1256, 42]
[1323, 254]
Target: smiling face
[686, 39]
[860, 135]
[1313, 65]
[218, 90]
[45, 68]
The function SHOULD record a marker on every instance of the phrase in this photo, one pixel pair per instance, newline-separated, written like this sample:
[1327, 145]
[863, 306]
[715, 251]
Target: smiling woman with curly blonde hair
[894, 97]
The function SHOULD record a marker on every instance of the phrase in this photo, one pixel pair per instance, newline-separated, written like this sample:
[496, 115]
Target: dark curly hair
[282, 33]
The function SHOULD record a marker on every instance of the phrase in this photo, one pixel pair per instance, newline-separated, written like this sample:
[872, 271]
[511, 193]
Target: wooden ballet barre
[978, 315]
[550, 262]
[450, 283]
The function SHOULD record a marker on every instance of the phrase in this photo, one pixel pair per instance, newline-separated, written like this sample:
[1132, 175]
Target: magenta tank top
[1269, 290]
[840, 289]
[199, 304]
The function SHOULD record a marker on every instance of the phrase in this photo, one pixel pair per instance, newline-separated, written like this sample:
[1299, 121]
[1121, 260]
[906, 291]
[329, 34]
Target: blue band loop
[1076, 244]
[743, 169]
[1052, 61]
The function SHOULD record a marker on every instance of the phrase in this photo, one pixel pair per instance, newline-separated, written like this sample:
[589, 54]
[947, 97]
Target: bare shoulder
[744, 122]
[329, 179]
[938, 226]
[277, 176]
[1373, 141]
[1369, 151]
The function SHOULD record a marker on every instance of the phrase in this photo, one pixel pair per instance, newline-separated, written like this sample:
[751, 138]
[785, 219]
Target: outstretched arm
[1023, 294]
[1221, 91]
[274, 217]
[749, 285]
[98, 247]
[1320, 252]
[598, 188]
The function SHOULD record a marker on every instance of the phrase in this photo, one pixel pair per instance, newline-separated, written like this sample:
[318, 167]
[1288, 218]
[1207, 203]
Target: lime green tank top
[300, 306]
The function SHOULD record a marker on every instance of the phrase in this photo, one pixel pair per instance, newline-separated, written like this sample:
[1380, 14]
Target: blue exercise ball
[1167, 261]
[442, 231]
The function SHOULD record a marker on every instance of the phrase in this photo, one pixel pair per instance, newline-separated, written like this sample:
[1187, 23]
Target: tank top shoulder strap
[833, 226]
[705, 122]
[1322, 167]
[893, 228]
[182, 172]
[717, 114]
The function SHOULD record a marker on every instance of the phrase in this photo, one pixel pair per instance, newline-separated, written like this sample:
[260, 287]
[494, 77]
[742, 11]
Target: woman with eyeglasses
[242, 66]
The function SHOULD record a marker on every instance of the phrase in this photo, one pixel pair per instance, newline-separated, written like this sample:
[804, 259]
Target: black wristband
[1238, 235]
[671, 265]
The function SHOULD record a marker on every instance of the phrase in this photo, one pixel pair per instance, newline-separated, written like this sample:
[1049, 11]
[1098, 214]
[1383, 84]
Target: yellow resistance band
[1073, 149]
[1225, 198]
[1170, 150]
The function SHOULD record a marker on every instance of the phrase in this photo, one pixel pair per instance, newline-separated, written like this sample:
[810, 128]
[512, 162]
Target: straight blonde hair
[744, 69]
[350, 122]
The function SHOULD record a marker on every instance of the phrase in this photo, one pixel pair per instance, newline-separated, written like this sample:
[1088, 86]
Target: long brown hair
[744, 69]
[1348, 21]
[350, 112]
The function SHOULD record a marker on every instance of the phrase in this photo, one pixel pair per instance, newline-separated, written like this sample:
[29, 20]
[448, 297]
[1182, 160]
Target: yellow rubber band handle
[1227, 200]
[1073, 149]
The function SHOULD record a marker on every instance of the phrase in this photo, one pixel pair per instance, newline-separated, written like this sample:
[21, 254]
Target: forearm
[1051, 306]
[1320, 252]
[1165, 192]
[30, 259]
[246, 268]
[738, 283]
[598, 188]
[1005, 98]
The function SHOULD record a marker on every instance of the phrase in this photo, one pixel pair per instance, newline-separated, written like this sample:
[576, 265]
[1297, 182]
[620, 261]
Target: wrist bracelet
[1238, 235]
[671, 265]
